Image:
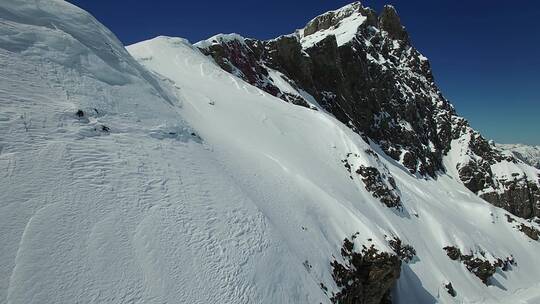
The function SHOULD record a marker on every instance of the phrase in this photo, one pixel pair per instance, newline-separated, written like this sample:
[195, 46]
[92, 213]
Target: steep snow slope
[137, 212]
[194, 187]
[288, 159]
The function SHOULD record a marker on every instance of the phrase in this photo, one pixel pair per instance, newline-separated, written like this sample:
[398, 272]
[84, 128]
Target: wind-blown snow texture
[188, 185]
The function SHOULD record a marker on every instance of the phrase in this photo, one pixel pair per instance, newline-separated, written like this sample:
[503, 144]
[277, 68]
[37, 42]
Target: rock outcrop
[404, 251]
[366, 276]
[381, 187]
[375, 177]
[450, 289]
[478, 265]
[389, 21]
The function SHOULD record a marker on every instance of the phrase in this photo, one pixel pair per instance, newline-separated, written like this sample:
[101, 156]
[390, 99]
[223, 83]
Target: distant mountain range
[527, 153]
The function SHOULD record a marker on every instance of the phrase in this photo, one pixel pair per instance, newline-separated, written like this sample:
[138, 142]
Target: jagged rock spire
[389, 21]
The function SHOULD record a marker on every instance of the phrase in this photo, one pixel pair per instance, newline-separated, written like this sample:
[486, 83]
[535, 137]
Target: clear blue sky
[485, 54]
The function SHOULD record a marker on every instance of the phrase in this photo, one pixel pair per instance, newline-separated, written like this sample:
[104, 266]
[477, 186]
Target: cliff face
[362, 68]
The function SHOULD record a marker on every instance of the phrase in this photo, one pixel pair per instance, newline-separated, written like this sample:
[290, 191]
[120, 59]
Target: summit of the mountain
[389, 21]
[362, 69]
[332, 19]
[343, 24]
[346, 63]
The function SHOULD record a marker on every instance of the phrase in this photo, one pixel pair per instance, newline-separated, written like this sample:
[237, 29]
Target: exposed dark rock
[324, 288]
[365, 277]
[509, 218]
[481, 268]
[521, 197]
[389, 22]
[450, 289]
[505, 264]
[240, 58]
[375, 184]
[80, 113]
[381, 184]
[405, 252]
[530, 231]
[453, 252]
[347, 164]
[476, 176]
[481, 147]
[531, 157]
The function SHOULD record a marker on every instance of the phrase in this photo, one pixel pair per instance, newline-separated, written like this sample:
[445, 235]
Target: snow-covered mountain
[526, 153]
[156, 176]
[362, 68]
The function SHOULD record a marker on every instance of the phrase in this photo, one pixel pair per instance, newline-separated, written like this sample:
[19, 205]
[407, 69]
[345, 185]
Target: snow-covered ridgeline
[526, 153]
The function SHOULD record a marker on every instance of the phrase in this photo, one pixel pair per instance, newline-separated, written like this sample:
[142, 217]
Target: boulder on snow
[450, 289]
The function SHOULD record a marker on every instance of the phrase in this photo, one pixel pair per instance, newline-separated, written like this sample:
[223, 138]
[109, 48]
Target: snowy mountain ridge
[153, 175]
[377, 83]
[527, 153]
[342, 23]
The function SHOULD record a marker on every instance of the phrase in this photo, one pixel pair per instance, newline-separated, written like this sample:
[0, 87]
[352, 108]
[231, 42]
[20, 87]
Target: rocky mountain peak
[389, 21]
[342, 21]
[343, 24]
[363, 69]
[330, 19]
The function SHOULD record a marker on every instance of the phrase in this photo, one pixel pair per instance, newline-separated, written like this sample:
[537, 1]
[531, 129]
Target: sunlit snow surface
[344, 32]
[199, 190]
